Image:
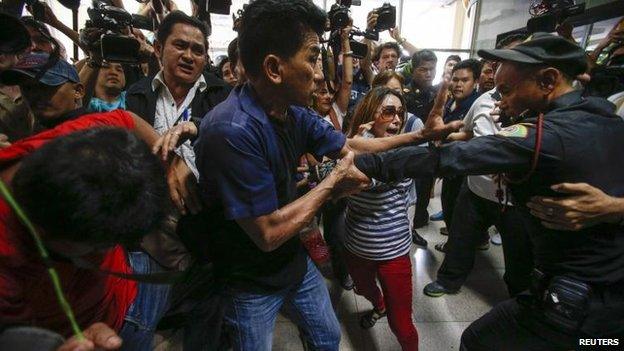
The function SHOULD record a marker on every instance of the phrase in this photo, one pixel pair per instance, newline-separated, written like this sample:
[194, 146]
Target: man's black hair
[96, 186]
[423, 56]
[232, 53]
[518, 36]
[455, 58]
[175, 17]
[471, 64]
[276, 27]
[388, 45]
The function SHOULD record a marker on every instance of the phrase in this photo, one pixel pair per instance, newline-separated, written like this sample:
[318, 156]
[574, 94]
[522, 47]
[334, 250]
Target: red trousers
[395, 276]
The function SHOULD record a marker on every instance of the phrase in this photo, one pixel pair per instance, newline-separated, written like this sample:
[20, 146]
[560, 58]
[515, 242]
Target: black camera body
[547, 14]
[111, 23]
[338, 17]
[387, 17]
[107, 17]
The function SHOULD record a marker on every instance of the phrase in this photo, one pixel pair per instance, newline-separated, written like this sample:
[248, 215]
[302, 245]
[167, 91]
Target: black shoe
[435, 289]
[441, 247]
[369, 319]
[346, 283]
[418, 240]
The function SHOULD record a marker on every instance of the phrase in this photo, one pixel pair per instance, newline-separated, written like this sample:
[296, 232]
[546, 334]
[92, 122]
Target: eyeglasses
[388, 112]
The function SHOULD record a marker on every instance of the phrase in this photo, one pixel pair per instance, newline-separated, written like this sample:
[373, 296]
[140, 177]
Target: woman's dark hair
[471, 64]
[366, 109]
[96, 186]
[178, 17]
[276, 27]
[384, 77]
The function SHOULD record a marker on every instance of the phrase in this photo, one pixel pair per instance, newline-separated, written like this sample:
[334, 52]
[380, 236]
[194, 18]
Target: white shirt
[480, 122]
[168, 114]
[339, 115]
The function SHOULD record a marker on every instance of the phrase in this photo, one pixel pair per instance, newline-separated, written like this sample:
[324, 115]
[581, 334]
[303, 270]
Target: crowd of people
[177, 193]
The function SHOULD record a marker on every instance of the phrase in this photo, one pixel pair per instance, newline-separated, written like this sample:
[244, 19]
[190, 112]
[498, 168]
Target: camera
[338, 17]
[106, 33]
[339, 13]
[387, 17]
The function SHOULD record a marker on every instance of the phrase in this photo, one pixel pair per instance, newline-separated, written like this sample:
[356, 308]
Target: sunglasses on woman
[388, 112]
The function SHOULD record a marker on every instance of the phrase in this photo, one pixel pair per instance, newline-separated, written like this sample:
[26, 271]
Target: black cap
[543, 48]
[14, 37]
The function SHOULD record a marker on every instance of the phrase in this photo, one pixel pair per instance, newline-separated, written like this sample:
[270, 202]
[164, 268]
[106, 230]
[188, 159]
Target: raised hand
[435, 128]
[583, 206]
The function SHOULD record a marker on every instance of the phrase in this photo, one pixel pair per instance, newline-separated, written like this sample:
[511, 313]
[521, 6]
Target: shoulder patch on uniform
[515, 131]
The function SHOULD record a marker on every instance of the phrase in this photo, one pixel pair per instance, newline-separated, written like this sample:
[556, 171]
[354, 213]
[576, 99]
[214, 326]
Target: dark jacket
[141, 99]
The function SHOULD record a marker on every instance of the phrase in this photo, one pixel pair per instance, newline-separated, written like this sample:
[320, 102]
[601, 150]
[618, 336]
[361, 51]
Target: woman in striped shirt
[378, 235]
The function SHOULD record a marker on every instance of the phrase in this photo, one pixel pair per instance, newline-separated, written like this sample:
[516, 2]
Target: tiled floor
[440, 321]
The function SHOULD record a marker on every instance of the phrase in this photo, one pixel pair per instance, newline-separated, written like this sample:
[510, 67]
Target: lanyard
[184, 117]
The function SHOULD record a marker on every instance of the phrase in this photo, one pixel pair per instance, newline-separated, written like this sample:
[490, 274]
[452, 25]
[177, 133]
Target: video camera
[107, 33]
[547, 14]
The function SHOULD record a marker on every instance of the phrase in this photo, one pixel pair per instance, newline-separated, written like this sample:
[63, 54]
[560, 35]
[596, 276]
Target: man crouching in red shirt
[87, 192]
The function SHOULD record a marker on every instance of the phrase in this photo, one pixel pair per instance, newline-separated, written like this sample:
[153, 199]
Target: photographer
[387, 55]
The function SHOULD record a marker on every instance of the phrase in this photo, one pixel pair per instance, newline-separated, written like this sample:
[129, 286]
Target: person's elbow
[268, 240]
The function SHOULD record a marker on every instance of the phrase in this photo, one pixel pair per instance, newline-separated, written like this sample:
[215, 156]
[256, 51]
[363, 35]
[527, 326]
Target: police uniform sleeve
[509, 151]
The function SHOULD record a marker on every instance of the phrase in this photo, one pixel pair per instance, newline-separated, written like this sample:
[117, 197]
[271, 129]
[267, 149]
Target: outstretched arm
[434, 129]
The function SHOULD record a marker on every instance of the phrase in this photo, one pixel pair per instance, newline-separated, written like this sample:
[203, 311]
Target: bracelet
[347, 54]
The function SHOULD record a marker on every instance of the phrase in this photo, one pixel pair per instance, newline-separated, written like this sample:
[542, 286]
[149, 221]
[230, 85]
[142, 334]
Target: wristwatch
[401, 41]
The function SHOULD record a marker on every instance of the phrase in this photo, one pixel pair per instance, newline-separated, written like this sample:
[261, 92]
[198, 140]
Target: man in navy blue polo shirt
[247, 152]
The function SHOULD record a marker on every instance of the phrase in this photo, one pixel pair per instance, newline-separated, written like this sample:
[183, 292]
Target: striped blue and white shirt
[377, 223]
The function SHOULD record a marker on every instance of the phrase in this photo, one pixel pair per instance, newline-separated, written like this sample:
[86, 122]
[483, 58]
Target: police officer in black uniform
[577, 288]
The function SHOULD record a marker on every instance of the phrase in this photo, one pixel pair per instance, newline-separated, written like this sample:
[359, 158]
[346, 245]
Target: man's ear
[158, 49]
[547, 79]
[272, 67]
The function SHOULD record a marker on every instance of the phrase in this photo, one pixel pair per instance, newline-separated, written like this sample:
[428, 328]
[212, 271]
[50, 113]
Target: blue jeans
[148, 307]
[252, 316]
